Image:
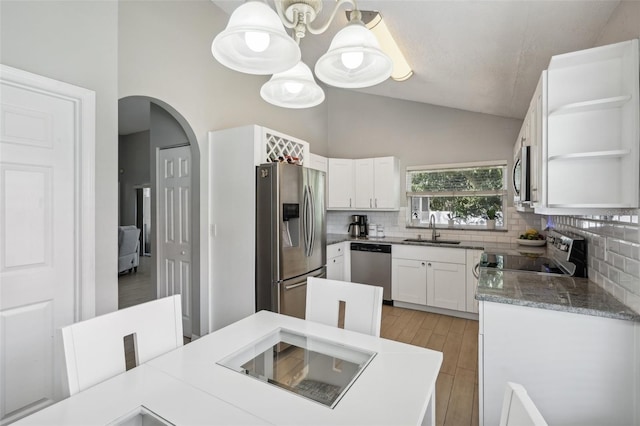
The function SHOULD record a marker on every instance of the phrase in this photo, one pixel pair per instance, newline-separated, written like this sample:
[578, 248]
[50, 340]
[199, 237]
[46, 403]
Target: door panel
[174, 220]
[39, 270]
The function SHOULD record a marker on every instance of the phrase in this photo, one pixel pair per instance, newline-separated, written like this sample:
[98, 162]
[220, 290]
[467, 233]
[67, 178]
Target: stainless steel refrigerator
[290, 235]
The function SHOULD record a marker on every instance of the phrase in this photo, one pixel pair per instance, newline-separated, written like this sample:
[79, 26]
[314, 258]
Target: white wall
[76, 42]
[362, 125]
[164, 52]
[623, 25]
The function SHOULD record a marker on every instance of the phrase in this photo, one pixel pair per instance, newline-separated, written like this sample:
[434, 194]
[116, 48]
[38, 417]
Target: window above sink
[457, 195]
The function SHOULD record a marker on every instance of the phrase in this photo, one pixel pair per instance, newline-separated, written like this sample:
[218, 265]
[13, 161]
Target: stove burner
[509, 262]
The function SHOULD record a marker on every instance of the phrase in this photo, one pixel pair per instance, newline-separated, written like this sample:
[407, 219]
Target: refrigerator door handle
[305, 224]
[307, 221]
[312, 231]
[292, 286]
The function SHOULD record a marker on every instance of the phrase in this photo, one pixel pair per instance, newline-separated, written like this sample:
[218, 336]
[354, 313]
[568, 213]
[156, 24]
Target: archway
[147, 125]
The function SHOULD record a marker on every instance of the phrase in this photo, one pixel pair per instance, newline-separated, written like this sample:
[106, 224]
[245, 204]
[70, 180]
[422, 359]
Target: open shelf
[615, 153]
[593, 105]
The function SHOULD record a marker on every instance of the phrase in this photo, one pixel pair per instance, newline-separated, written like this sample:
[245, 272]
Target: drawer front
[435, 254]
[334, 250]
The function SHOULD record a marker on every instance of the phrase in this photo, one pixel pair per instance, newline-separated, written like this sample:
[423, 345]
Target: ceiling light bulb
[352, 60]
[293, 87]
[258, 41]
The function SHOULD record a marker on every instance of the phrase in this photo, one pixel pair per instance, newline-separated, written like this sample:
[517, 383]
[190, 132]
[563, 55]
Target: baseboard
[441, 311]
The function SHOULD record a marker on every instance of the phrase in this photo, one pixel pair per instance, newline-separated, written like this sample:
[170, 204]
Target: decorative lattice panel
[282, 149]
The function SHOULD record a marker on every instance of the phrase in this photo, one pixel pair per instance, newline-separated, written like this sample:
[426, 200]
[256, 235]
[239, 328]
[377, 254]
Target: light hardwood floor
[457, 338]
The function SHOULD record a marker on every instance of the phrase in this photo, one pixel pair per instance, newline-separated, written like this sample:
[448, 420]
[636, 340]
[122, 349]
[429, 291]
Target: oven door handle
[476, 272]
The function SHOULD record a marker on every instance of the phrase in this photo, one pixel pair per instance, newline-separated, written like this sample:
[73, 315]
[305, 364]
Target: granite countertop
[558, 293]
[472, 245]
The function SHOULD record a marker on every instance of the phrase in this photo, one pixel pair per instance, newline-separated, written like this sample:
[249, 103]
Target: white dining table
[189, 386]
[397, 387]
[143, 387]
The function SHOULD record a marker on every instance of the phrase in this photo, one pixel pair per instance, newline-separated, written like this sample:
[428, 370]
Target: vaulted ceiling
[478, 55]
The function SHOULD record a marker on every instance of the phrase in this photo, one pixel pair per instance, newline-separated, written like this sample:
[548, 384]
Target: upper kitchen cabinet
[364, 184]
[317, 162]
[340, 186]
[593, 135]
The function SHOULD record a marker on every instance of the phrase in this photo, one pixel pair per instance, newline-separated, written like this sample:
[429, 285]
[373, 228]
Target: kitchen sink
[422, 240]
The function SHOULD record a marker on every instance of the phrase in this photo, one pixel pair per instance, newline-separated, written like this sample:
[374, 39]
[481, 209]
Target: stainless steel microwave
[522, 176]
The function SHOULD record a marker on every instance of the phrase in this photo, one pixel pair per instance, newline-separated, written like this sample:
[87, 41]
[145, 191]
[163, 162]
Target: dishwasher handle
[373, 248]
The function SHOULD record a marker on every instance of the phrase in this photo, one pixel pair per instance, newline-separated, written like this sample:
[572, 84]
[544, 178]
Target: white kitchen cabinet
[336, 262]
[430, 276]
[537, 141]
[446, 286]
[473, 258]
[409, 280]
[377, 182]
[593, 128]
[340, 186]
[364, 184]
[578, 369]
[533, 135]
[317, 162]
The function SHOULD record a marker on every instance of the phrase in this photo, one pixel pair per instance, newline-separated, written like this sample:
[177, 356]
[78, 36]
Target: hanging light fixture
[354, 59]
[253, 43]
[294, 88]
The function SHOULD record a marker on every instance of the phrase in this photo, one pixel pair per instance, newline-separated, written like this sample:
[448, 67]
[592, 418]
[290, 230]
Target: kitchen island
[569, 342]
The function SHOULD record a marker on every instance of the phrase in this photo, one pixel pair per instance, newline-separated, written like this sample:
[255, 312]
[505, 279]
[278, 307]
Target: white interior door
[40, 265]
[174, 228]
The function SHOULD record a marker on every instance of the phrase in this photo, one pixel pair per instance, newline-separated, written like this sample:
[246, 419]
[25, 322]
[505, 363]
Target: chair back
[363, 304]
[128, 240]
[94, 349]
[518, 409]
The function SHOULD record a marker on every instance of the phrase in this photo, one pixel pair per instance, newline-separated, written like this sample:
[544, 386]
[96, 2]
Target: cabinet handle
[422, 263]
[349, 202]
[429, 264]
[376, 203]
[339, 249]
[370, 205]
[334, 261]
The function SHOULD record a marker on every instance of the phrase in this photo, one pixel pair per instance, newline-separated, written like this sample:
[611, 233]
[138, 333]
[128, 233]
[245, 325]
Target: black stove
[566, 255]
[509, 262]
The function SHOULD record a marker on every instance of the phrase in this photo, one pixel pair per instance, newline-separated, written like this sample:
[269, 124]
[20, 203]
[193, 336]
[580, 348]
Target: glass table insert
[313, 368]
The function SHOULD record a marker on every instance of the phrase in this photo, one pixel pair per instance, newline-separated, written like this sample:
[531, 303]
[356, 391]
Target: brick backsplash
[613, 242]
[613, 248]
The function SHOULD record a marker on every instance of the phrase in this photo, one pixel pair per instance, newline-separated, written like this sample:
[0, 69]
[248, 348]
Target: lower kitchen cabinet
[446, 285]
[578, 369]
[409, 281]
[336, 262]
[429, 276]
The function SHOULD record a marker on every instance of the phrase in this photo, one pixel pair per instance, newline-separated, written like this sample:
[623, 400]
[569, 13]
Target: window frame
[503, 193]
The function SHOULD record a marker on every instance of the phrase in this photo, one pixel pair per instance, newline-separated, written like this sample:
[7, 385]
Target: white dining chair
[518, 409]
[362, 304]
[94, 349]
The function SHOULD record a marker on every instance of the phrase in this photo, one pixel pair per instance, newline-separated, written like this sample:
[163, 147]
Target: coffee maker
[363, 225]
[358, 226]
[354, 226]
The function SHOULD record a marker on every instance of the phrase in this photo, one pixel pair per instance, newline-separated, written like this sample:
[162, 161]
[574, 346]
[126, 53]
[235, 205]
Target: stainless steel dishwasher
[371, 264]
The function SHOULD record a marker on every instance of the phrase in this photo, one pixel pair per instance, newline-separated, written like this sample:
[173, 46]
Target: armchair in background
[128, 247]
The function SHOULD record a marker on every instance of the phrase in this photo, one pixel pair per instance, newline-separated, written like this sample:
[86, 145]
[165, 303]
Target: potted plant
[491, 215]
[450, 217]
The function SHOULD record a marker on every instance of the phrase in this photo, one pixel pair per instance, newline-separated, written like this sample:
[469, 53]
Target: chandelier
[255, 41]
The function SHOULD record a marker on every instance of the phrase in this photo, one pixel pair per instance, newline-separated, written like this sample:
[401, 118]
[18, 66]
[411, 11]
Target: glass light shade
[294, 88]
[255, 42]
[348, 44]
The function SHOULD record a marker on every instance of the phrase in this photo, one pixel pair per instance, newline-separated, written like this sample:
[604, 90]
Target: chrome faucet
[432, 225]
